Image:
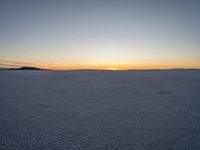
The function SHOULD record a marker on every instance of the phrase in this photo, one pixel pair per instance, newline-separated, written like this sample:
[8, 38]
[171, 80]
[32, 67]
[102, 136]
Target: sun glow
[95, 65]
[114, 69]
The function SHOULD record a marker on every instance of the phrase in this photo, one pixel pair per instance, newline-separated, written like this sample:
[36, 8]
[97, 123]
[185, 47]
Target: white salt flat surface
[100, 110]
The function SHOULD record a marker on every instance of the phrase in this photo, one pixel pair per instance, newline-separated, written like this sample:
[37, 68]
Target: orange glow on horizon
[110, 67]
[101, 65]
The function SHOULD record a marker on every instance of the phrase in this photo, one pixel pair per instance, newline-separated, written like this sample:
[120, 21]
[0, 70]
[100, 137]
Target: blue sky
[122, 34]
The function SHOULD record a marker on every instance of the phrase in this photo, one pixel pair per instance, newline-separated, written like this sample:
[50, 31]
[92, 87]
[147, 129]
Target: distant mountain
[4, 68]
[27, 68]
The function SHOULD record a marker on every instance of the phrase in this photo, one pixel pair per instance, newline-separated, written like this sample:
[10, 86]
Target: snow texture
[100, 110]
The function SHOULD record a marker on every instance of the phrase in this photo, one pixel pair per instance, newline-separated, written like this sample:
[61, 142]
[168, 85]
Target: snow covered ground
[100, 110]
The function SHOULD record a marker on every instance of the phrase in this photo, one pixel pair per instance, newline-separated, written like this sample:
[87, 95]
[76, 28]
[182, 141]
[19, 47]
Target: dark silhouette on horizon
[27, 68]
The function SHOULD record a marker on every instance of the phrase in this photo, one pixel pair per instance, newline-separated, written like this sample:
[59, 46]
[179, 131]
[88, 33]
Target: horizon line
[108, 69]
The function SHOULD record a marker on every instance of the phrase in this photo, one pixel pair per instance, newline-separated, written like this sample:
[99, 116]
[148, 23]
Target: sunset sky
[100, 34]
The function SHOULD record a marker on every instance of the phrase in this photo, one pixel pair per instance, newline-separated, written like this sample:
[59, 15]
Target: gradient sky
[80, 34]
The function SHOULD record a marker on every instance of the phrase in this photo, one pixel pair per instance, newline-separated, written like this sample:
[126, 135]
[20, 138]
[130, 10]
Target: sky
[100, 34]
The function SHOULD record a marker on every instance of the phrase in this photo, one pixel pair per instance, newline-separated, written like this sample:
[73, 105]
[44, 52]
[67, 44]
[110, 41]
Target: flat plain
[100, 110]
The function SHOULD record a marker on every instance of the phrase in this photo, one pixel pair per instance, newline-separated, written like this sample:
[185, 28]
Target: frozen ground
[100, 110]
